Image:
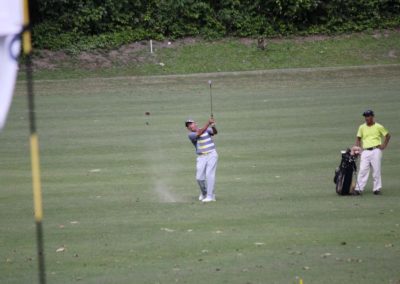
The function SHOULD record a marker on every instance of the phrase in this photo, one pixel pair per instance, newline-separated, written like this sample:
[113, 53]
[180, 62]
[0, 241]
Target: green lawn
[121, 196]
[231, 54]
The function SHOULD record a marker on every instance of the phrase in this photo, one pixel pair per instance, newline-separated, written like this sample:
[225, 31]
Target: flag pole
[34, 145]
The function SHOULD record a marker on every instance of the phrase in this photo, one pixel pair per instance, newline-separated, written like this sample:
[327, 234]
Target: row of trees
[59, 23]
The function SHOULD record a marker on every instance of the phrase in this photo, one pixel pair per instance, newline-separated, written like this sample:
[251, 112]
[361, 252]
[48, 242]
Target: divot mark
[60, 249]
[167, 230]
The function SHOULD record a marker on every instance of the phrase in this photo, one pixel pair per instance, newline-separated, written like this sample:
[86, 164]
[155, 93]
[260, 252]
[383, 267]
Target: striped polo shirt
[203, 144]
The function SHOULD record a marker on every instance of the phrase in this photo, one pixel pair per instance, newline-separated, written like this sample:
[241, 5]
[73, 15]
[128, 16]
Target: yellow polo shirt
[371, 135]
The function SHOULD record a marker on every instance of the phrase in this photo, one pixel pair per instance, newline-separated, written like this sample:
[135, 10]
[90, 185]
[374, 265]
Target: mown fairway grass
[120, 195]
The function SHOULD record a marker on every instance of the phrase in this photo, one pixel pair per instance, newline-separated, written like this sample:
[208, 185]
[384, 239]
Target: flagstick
[34, 142]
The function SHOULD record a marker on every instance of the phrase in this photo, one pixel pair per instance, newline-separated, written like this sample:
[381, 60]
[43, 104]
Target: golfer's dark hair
[187, 123]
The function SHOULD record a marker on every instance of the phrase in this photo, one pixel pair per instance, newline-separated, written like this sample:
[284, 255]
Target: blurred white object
[11, 18]
[355, 151]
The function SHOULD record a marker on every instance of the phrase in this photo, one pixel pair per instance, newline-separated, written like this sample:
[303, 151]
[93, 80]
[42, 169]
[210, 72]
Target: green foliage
[90, 24]
[75, 42]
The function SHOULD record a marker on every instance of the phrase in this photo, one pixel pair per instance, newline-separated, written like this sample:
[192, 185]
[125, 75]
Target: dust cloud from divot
[160, 180]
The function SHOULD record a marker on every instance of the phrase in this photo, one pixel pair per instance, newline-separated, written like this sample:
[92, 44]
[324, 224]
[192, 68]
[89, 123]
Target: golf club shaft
[211, 103]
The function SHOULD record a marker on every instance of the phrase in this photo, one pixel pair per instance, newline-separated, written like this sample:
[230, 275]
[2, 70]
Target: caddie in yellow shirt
[369, 137]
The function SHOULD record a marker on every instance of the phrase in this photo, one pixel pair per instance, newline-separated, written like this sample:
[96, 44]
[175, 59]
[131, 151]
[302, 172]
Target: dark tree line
[59, 22]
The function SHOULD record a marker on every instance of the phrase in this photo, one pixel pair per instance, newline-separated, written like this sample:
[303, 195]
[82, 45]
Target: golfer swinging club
[207, 156]
[370, 134]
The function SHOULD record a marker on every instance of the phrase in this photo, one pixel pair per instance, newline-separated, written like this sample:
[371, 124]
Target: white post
[151, 46]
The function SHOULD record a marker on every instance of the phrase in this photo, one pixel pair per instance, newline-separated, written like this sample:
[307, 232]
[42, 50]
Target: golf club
[211, 103]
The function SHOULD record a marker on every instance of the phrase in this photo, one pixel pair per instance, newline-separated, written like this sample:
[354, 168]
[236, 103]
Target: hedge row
[87, 24]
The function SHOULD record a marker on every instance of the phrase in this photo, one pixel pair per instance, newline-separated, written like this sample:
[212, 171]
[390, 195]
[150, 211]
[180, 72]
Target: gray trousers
[206, 166]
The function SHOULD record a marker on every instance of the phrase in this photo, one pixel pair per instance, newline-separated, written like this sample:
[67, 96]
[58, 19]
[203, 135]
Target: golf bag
[344, 174]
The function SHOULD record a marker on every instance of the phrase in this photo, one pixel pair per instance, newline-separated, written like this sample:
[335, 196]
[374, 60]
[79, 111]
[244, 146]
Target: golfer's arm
[215, 131]
[358, 141]
[202, 130]
[386, 142]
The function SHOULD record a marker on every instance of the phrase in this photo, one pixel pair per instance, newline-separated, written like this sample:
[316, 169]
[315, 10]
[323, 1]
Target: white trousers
[370, 159]
[206, 166]
[8, 73]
